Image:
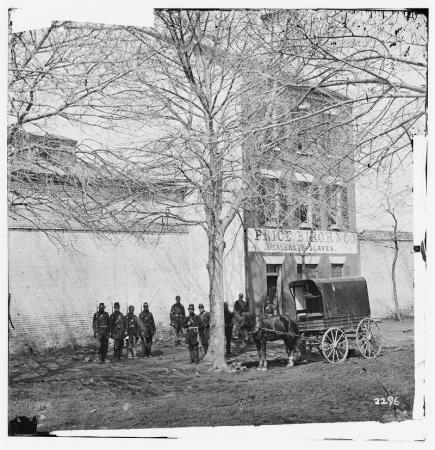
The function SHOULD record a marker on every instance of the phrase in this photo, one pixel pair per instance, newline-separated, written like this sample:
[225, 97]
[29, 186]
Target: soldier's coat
[147, 323]
[194, 325]
[117, 325]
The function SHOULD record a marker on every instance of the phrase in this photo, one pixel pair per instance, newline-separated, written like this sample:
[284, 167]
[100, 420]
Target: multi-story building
[301, 221]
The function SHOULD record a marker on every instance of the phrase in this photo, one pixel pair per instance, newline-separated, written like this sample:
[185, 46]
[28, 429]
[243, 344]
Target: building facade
[301, 219]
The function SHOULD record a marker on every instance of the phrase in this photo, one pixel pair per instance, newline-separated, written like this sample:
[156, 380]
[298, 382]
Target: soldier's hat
[145, 303]
[191, 306]
[131, 307]
[101, 305]
[200, 305]
[116, 305]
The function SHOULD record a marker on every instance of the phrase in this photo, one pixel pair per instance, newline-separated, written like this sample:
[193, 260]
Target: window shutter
[345, 207]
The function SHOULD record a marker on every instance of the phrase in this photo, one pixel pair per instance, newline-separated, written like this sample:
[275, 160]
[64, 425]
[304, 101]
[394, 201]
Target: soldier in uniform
[204, 334]
[101, 327]
[117, 331]
[228, 317]
[269, 308]
[240, 305]
[177, 316]
[132, 330]
[194, 325]
[148, 326]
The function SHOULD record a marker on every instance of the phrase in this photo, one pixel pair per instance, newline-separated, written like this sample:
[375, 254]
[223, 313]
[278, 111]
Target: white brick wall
[55, 290]
[376, 259]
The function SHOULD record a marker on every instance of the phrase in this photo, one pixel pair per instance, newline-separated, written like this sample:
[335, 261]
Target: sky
[370, 188]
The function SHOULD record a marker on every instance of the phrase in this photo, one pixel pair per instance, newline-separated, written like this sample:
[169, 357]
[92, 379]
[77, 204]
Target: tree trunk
[393, 273]
[216, 349]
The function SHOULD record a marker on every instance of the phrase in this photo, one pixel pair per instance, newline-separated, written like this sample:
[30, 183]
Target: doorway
[273, 286]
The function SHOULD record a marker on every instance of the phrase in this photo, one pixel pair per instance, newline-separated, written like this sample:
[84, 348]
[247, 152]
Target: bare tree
[214, 100]
[376, 61]
[390, 207]
[70, 75]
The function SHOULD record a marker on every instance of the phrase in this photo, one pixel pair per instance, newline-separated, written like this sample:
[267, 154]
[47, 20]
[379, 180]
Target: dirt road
[70, 391]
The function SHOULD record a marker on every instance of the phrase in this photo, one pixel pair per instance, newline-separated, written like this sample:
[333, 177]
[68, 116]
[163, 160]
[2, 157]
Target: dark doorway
[272, 286]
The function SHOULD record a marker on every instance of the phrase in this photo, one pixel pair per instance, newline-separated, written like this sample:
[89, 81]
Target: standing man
[228, 317]
[193, 324]
[177, 316]
[204, 334]
[148, 326]
[240, 305]
[239, 309]
[117, 331]
[101, 327]
[132, 329]
[269, 308]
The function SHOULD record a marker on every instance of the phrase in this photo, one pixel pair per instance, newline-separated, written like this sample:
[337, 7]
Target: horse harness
[257, 329]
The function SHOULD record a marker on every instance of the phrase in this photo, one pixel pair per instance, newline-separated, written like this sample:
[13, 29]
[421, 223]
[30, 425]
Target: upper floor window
[337, 207]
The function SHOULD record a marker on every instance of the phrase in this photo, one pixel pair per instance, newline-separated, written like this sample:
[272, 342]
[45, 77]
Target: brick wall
[56, 288]
[377, 252]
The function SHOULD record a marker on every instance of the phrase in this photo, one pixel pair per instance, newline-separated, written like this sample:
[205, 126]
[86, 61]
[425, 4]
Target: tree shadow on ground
[306, 358]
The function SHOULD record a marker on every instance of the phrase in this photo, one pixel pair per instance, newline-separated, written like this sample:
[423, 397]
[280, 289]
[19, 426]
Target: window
[310, 270]
[336, 270]
[337, 207]
[272, 269]
[344, 208]
[272, 205]
[307, 209]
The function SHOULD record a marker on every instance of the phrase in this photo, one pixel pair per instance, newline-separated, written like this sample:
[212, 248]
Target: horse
[265, 328]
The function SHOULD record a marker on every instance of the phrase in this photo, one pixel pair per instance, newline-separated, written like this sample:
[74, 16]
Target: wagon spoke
[366, 342]
[341, 338]
[331, 350]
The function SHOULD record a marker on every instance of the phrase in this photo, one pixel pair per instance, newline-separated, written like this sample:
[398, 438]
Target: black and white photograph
[216, 218]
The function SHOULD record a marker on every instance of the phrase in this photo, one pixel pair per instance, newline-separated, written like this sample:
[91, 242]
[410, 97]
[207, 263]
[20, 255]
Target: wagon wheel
[335, 345]
[368, 338]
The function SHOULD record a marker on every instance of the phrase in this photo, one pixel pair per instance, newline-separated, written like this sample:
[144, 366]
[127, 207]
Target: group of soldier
[130, 328]
[122, 328]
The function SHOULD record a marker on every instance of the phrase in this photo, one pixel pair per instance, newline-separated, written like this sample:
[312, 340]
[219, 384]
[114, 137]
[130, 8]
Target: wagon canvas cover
[346, 296]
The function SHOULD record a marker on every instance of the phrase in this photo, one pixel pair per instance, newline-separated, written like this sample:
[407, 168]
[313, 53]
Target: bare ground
[67, 390]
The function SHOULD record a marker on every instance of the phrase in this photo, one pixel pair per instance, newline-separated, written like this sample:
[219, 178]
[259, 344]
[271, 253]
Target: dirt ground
[68, 390]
